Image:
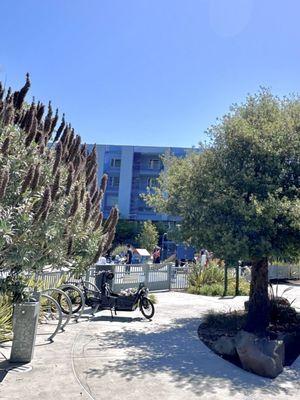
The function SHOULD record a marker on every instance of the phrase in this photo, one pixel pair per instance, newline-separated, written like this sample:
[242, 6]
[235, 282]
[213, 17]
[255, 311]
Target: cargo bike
[100, 297]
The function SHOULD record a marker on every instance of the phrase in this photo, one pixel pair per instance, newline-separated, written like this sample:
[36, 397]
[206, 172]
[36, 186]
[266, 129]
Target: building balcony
[112, 189]
[147, 171]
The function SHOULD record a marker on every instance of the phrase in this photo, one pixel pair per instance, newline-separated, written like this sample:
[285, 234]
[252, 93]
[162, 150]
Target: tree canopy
[148, 237]
[240, 195]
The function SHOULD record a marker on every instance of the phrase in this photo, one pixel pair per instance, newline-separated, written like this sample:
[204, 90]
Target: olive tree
[240, 195]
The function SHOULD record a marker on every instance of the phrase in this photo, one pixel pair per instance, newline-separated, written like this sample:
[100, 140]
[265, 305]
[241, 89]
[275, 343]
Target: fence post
[87, 274]
[169, 272]
[237, 279]
[146, 273]
[225, 281]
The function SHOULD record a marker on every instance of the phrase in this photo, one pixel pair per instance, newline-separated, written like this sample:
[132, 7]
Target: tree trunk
[259, 304]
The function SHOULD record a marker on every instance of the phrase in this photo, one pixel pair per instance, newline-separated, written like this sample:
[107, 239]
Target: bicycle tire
[76, 300]
[147, 307]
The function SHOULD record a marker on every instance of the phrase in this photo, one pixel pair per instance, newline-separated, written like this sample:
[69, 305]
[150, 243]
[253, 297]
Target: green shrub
[213, 273]
[210, 281]
[227, 321]
[5, 318]
[153, 298]
[119, 250]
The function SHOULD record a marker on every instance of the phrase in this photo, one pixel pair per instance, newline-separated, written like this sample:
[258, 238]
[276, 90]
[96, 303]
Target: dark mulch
[285, 325]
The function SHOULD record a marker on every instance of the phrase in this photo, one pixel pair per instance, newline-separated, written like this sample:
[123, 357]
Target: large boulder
[262, 356]
[225, 346]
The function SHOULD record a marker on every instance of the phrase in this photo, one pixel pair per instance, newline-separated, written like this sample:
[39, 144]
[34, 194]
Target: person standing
[156, 255]
[203, 258]
[129, 255]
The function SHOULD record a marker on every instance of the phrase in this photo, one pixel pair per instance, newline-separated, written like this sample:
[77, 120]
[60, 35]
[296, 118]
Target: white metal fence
[277, 271]
[154, 276]
[160, 276]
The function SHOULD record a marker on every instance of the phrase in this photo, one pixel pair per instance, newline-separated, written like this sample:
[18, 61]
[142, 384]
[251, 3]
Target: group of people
[202, 258]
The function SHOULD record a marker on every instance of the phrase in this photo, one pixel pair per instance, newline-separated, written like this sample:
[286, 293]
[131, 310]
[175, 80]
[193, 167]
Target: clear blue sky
[149, 72]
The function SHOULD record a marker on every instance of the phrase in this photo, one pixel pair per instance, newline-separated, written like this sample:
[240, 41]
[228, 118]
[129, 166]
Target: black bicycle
[101, 297]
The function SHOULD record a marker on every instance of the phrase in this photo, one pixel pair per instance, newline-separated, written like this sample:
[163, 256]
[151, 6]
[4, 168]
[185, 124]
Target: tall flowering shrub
[50, 197]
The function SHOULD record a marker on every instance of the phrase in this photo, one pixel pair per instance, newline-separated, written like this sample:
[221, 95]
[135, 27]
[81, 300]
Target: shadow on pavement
[176, 350]
[6, 366]
[3, 372]
[116, 318]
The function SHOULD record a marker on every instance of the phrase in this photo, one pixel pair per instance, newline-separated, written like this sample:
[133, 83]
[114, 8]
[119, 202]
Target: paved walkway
[131, 357]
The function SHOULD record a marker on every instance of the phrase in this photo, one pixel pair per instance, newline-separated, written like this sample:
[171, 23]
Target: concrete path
[131, 357]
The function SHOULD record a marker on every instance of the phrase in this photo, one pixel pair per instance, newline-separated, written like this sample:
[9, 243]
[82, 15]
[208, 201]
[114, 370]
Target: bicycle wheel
[147, 307]
[75, 297]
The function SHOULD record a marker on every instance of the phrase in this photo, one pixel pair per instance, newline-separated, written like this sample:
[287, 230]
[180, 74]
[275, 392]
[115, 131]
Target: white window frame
[114, 181]
[154, 163]
[114, 202]
[114, 162]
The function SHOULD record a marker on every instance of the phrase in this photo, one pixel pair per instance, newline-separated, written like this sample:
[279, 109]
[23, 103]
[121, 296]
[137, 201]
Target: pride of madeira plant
[50, 198]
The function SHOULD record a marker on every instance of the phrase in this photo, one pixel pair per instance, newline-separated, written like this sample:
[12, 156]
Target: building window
[151, 182]
[113, 181]
[136, 182]
[145, 209]
[154, 163]
[115, 162]
[111, 201]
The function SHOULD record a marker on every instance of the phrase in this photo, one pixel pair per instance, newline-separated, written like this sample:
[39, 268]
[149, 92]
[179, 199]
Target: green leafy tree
[49, 193]
[240, 196]
[127, 231]
[148, 237]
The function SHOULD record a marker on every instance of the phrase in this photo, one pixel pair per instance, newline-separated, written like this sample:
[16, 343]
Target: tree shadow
[177, 351]
[116, 318]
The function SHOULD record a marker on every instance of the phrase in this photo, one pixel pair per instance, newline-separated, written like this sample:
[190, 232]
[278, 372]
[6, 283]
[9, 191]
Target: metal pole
[225, 281]
[237, 279]
[163, 246]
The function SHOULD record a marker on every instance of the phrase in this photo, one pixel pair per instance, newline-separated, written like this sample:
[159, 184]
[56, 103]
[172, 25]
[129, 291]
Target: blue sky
[149, 72]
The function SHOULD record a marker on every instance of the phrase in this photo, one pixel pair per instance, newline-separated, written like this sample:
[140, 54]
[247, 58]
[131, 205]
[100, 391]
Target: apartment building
[131, 170]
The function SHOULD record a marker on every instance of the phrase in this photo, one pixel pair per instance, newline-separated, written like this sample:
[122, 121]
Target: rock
[225, 346]
[262, 356]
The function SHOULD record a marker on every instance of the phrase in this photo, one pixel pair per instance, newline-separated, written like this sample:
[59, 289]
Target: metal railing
[154, 276]
[180, 277]
[277, 271]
